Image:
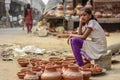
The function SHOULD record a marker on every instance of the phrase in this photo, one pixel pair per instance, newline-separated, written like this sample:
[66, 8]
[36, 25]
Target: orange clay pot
[50, 73]
[72, 73]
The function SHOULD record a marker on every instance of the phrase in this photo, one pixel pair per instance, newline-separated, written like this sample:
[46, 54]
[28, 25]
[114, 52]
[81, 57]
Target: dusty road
[8, 69]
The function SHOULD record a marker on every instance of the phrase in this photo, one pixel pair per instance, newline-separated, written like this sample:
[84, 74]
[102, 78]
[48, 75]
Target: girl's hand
[68, 40]
[81, 20]
[70, 36]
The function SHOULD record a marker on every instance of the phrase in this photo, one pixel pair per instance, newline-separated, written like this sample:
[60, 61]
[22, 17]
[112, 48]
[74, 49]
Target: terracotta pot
[21, 75]
[69, 7]
[86, 74]
[88, 5]
[63, 35]
[23, 62]
[69, 12]
[38, 71]
[43, 64]
[54, 59]
[78, 13]
[34, 60]
[31, 75]
[69, 61]
[104, 15]
[69, 58]
[109, 15]
[64, 67]
[72, 73]
[59, 7]
[22, 59]
[51, 73]
[25, 70]
[79, 6]
[98, 14]
[54, 34]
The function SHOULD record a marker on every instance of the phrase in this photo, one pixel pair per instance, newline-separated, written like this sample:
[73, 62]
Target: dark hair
[27, 6]
[88, 11]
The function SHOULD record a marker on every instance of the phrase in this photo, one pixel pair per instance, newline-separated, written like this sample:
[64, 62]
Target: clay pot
[86, 74]
[88, 5]
[54, 59]
[54, 34]
[63, 35]
[31, 75]
[104, 15]
[109, 15]
[64, 67]
[69, 7]
[69, 58]
[23, 62]
[98, 68]
[38, 71]
[69, 12]
[25, 70]
[69, 61]
[98, 14]
[21, 75]
[34, 60]
[44, 63]
[79, 6]
[59, 7]
[77, 12]
[50, 73]
[72, 73]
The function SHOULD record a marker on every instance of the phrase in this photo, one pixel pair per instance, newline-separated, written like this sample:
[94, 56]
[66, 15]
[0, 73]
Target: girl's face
[85, 16]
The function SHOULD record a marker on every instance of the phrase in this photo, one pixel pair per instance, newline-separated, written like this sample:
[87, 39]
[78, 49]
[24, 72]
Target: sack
[21, 22]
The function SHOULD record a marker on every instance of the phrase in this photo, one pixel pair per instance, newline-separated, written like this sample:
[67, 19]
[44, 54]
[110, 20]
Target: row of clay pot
[69, 72]
[54, 69]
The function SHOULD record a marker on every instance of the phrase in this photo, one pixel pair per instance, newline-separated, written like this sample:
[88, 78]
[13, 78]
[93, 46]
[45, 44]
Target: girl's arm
[84, 35]
[80, 26]
[80, 29]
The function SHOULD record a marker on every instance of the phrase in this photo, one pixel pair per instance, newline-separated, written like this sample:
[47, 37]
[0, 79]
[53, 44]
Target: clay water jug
[72, 73]
[50, 73]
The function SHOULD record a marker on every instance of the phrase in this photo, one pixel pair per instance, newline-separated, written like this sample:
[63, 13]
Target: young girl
[28, 18]
[90, 49]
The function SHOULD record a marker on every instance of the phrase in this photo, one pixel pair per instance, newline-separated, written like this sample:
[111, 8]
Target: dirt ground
[8, 69]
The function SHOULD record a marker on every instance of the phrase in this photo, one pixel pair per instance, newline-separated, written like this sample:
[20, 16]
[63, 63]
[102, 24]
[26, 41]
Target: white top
[97, 46]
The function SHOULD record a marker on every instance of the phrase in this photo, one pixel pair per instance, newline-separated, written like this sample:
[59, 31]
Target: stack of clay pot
[69, 9]
[59, 10]
[78, 7]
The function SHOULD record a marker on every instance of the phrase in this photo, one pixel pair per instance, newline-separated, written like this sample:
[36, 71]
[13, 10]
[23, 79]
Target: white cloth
[97, 46]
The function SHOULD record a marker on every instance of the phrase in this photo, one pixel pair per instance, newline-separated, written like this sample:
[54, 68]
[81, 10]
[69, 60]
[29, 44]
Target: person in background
[28, 20]
[82, 47]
